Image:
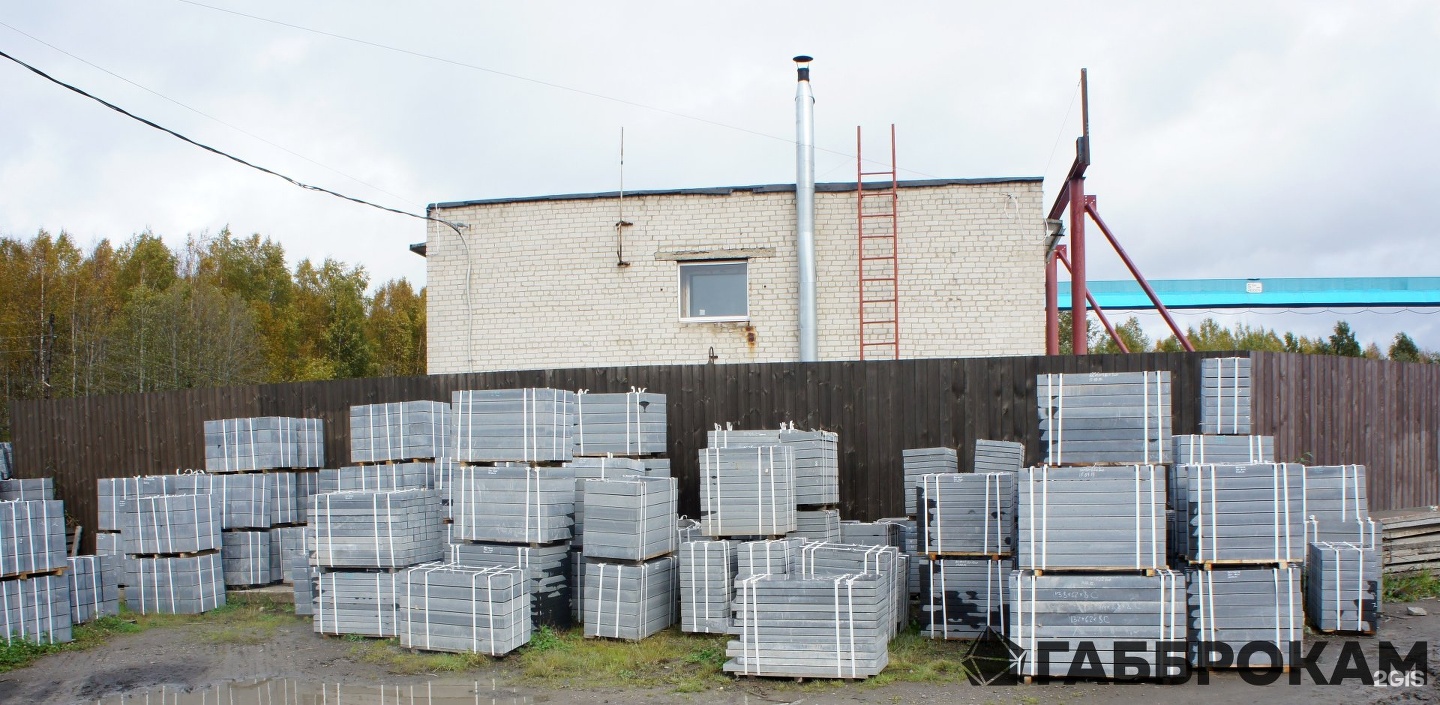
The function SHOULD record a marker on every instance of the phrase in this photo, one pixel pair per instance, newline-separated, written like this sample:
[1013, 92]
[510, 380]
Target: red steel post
[1079, 329]
[1052, 304]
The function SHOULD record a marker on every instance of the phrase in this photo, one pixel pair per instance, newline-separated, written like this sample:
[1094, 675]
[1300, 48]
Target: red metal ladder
[877, 206]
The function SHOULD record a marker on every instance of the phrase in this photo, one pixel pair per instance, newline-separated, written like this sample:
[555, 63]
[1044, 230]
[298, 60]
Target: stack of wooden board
[1101, 518]
[398, 431]
[519, 425]
[706, 571]
[1411, 539]
[998, 456]
[446, 607]
[1342, 587]
[1236, 605]
[263, 443]
[35, 609]
[1106, 611]
[1226, 406]
[836, 626]
[747, 491]
[629, 601]
[94, 587]
[174, 584]
[918, 462]
[1105, 418]
[631, 423]
[967, 514]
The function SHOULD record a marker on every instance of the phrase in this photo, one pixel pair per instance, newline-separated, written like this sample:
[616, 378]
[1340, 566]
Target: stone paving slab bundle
[307, 485]
[817, 525]
[630, 602]
[598, 469]
[1342, 587]
[112, 492]
[263, 443]
[287, 544]
[356, 602]
[821, 560]
[998, 456]
[304, 576]
[515, 504]
[245, 558]
[815, 454]
[32, 536]
[688, 529]
[522, 425]
[109, 544]
[36, 609]
[446, 607]
[172, 523]
[377, 478]
[1223, 450]
[175, 585]
[377, 529]
[918, 462]
[1101, 518]
[1105, 418]
[1100, 609]
[657, 467]
[285, 498]
[767, 557]
[1336, 508]
[629, 423]
[836, 626]
[909, 531]
[1245, 513]
[27, 489]
[94, 587]
[747, 491]
[863, 533]
[1226, 402]
[964, 598]
[7, 460]
[247, 500]
[631, 519]
[1243, 604]
[547, 568]
[409, 430]
[707, 569]
[967, 513]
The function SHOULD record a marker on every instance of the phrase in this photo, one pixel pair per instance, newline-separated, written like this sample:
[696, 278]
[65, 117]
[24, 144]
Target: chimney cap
[803, 59]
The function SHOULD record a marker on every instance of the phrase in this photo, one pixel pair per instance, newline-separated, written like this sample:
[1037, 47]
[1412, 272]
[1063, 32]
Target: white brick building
[546, 289]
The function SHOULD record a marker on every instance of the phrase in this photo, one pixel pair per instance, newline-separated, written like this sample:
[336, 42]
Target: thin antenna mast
[621, 224]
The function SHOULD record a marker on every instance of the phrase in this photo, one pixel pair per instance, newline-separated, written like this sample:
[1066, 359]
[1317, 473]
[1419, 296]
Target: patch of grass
[918, 659]
[21, 653]
[388, 654]
[688, 663]
[1411, 587]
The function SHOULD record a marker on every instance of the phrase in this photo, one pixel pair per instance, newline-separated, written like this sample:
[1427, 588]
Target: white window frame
[680, 291]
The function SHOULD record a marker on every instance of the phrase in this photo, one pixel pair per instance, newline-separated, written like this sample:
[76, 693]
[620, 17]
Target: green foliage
[1404, 349]
[218, 310]
[1411, 587]
[1343, 342]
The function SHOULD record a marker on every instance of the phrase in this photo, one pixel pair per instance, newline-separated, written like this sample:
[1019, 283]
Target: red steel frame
[1072, 197]
[890, 283]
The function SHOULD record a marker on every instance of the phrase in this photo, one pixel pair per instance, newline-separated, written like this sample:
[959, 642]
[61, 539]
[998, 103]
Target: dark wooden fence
[1313, 405]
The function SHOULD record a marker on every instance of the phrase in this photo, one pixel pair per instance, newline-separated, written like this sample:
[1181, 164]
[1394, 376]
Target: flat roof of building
[727, 190]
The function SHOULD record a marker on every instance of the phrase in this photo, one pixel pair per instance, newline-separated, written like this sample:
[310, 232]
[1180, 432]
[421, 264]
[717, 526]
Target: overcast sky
[1229, 139]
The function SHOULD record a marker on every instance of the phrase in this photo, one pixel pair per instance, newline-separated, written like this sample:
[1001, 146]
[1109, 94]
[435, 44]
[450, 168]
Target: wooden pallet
[1147, 572]
[1226, 565]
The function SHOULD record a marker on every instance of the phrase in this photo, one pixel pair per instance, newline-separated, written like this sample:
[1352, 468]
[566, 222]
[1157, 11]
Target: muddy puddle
[292, 692]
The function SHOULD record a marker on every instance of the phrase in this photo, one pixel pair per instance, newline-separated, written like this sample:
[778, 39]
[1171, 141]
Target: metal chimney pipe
[805, 207]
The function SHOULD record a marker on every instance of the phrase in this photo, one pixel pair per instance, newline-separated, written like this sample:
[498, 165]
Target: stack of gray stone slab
[1245, 513]
[407, 430]
[36, 609]
[27, 489]
[822, 560]
[1101, 518]
[1105, 418]
[287, 545]
[1105, 611]
[519, 425]
[909, 545]
[1226, 404]
[879, 533]
[377, 478]
[630, 519]
[967, 514]
[305, 576]
[816, 458]
[307, 485]
[1342, 587]
[747, 491]
[1236, 606]
[768, 557]
[688, 530]
[174, 584]
[1223, 450]
[7, 460]
[32, 537]
[629, 601]
[285, 498]
[356, 602]
[623, 424]
[707, 569]
[245, 556]
[512, 504]
[263, 443]
[172, 524]
[446, 607]
[547, 568]
[998, 456]
[817, 525]
[964, 598]
[836, 626]
[1336, 508]
[598, 469]
[94, 587]
[919, 462]
[247, 499]
[366, 530]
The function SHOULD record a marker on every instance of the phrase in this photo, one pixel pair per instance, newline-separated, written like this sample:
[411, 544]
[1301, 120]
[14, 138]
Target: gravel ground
[187, 658]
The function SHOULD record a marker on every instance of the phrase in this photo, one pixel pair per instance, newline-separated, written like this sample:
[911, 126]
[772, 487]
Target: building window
[714, 291]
